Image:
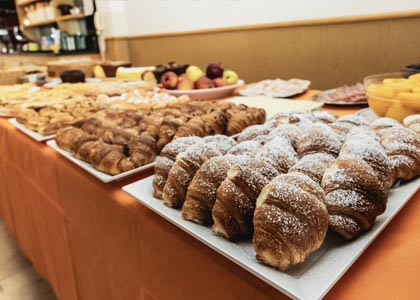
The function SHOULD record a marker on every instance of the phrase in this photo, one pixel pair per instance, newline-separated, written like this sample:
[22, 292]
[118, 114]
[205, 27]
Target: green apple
[194, 73]
[230, 76]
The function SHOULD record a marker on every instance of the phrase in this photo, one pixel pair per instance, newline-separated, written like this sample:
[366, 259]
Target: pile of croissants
[285, 182]
[116, 141]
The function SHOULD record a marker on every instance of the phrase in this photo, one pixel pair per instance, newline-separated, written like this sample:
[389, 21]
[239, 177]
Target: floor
[18, 278]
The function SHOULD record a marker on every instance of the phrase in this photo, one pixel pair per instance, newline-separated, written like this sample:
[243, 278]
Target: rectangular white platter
[90, 169]
[36, 136]
[310, 280]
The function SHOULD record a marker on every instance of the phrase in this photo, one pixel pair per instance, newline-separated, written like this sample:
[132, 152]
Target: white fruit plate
[310, 280]
[208, 94]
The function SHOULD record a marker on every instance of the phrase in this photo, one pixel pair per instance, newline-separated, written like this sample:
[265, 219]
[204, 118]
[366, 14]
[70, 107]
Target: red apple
[169, 80]
[219, 82]
[214, 71]
[204, 83]
[184, 83]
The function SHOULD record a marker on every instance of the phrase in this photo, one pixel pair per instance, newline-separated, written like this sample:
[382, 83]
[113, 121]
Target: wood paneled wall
[327, 53]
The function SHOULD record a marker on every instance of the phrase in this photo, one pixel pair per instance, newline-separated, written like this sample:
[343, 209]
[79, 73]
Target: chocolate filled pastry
[290, 220]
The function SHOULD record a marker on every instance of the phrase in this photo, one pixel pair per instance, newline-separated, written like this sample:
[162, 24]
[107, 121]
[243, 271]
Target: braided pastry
[290, 220]
[202, 191]
[166, 159]
[402, 146]
[353, 195]
[182, 172]
[236, 196]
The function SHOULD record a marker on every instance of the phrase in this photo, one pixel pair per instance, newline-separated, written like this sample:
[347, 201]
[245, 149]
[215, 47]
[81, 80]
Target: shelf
[39, 24]
[70, 17]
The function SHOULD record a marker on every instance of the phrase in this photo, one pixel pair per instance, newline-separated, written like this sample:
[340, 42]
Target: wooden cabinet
[43, 21]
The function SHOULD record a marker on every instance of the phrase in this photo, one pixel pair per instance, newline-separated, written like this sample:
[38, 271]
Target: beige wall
[328, 54]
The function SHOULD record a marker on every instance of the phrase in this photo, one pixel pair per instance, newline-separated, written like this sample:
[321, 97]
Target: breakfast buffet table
[91, 240]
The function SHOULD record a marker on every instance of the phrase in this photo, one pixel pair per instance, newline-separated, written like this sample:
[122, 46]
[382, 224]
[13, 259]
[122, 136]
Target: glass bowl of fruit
[393, 96]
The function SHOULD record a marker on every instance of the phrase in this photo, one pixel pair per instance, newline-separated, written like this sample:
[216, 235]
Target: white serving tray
[98, 174]
[310, 280]
[36, 136]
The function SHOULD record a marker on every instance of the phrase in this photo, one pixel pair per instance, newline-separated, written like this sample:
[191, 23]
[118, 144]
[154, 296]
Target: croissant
[114, 163]
[182, 172]
[201, 193]
[362, 144]
[254, 131]
[221, 142]
[383, 123]
[215, 122]
[65, 137]
[236, 196]
[402, 146]
[289, 131]
[168, 130]
[290, 220]
[325, 116]
[353, 195]
[246, 147]
[166, 159]
[279, 153]
[142, 150]
[413, 122]
[240, 118]
[319, 137]
[313, 165]
[194, 127]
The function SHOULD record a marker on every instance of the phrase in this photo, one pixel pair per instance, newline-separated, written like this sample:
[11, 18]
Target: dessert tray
[36, 136]
[310, 280]
[98, 174]
[208, 94]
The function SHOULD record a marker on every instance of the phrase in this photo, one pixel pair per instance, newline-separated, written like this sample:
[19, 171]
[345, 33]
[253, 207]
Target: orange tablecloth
[92, 241]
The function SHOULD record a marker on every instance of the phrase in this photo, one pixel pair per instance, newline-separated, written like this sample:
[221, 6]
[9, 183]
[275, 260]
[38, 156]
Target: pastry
[236, 196]
[354, 196]
[290, 221]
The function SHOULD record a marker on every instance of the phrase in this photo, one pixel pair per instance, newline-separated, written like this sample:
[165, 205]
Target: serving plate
[98, 174]
[36, 136]
[310, 280]
[208, 94]
[5, 115]
[321, 97]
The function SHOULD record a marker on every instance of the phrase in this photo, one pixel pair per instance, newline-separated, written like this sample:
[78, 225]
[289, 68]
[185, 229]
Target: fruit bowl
[391, 95]
[207, 94]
